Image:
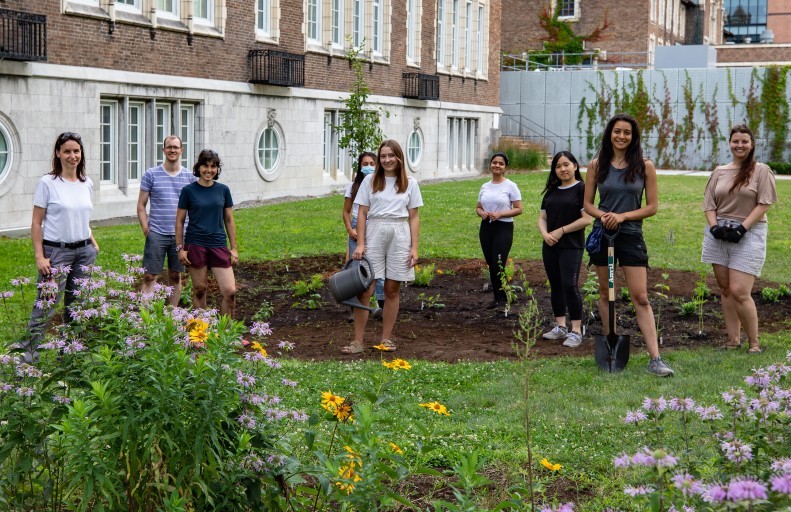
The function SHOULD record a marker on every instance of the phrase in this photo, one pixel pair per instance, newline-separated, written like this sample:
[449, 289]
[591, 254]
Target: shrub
[523, 155]
[780, 167]
[770, 294]
[424, 274]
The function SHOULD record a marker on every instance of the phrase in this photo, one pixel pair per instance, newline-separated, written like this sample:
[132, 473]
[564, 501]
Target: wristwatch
[179, 248]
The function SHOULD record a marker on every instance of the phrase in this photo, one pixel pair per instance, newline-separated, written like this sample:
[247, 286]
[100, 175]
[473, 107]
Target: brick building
[256, 80]
[634, 28]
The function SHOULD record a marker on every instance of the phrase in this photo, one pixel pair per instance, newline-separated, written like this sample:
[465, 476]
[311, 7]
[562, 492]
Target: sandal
[731, 346]
[386, 346]
[353, 348]
[755, 350]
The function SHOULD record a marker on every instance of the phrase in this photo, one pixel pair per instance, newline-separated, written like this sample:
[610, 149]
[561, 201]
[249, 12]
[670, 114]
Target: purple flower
[715, 493]
[25, 391]
[682, 404]
[635, 416]
[687, 484]
[622, 461]
[737, 451]
[709, 413]
[20, 281]
[640, 490]
[5, 388]
[566, 507]
[684, 508]
[782, 483]
[260, 329]
[61, 399]
[272, 363]
[285, 346]
[74, 346]
[246, 420]
[782, 465]
[9, 359]
[289, 383]
[657, 405]
[254, 399]
[6, 295]
[253, 462]
[746, 489]
[253, 356]
[643, 458]
[27, 370]
[298, 416]
[244, 380]
[132, 257]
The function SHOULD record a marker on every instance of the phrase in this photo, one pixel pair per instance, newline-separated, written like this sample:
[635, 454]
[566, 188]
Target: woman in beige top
[735, 203]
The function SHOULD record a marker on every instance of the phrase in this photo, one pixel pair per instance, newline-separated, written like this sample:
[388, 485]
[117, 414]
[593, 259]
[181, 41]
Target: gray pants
[40, 317]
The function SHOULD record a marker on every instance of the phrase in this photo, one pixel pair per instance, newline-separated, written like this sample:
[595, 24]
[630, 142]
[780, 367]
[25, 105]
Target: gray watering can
[355, 277]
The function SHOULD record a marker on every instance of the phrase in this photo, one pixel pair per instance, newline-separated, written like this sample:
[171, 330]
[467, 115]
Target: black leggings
[496, 240]
[563, 270]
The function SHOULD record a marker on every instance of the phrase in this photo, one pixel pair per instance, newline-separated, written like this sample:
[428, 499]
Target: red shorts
[212, 257]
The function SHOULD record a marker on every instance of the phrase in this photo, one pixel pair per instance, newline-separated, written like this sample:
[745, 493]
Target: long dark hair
[57, 167]
[635, 163]
[553, 181]
[379, 175]
[206, 157]
[359, 176]
[748, 165]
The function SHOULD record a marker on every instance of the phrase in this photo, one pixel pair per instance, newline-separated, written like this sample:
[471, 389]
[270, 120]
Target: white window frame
[108, 130]
[411, 39]
[203, 20]
[441, 33]
[313, 14]
[163, 126]
[358, 23]
[337, 161]
[263, 18]
[377, 26]
[337, 20]
[468, 36]
[415, 135]
[454, 35]
[480, 57]
[5, 169]
[131, 6]
[136, 149]
[569, 17]
[172, 13]
[262, 149]
[186, 132]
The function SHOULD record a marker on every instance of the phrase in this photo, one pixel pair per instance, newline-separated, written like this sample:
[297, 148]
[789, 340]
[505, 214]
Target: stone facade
[753, 54]
[145, 63]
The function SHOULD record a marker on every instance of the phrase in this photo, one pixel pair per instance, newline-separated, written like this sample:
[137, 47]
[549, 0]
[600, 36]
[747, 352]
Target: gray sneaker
[573, 339]
[559, 332]
[659, 368]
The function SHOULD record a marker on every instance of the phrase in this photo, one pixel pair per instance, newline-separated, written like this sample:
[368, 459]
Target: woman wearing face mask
[737, 198]
[366, 163]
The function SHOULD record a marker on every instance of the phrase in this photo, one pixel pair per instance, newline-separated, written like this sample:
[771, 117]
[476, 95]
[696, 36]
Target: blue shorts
[157, 247]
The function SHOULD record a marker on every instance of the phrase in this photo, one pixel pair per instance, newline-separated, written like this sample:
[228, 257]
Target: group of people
[736, 199]
[190, 224]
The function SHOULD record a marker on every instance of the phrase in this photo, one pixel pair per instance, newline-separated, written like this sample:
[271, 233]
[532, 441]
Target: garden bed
[464, 329]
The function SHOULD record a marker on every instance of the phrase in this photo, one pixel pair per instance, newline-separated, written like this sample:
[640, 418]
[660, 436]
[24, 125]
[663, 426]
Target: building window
[480, 53]
[462, 143]
[128, 5]
[314, 21]
[263, 17]
[414, 149]
[411, 36]
[203, 11]
[337, 23]
[6, 151]
[164, 127]
[440, 32]
[187, 137]
[108, 141]
[568, 9]
[377, 26]
[358, 23]
[454, 34]
[136, 141]
[170, 8]
[335, 158]
[269, 150]
[468, 37]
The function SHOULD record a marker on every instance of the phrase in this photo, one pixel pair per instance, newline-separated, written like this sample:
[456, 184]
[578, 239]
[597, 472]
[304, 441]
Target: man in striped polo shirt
[163, 184]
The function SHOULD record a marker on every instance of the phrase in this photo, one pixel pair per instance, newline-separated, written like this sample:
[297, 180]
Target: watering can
[355, 277]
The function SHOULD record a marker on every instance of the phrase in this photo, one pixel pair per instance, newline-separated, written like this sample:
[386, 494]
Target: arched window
[6, 150]
[270, 151]
[414, 149]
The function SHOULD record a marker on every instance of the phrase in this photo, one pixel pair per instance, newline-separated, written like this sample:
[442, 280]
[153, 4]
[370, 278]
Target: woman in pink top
[737, 197]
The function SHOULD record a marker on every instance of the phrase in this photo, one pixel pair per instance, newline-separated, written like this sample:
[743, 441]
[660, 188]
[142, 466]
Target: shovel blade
[611, 352]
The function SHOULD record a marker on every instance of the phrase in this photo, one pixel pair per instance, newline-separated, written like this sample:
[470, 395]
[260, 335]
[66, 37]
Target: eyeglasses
[172, 148]
[65, 136]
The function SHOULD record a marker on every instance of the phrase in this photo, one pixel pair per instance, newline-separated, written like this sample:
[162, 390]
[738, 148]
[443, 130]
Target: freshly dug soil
[464, 329]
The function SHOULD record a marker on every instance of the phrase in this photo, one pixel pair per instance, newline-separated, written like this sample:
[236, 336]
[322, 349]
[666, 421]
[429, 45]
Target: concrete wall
[552, 101]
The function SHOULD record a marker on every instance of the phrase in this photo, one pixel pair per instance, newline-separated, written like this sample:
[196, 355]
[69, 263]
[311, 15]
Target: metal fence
[23, 36]
[277, 68]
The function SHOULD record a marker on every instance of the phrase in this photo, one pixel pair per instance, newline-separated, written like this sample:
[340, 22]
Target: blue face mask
[367, 169]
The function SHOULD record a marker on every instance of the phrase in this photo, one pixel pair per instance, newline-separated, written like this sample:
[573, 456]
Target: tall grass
[524, 156]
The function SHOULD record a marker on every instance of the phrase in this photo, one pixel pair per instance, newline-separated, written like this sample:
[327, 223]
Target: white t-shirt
[355, 206]
[389, 204]
[69, 206]
[499, 197]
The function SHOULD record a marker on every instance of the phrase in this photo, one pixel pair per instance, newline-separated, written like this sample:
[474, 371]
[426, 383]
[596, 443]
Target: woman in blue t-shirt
[499, 201]
[210, 209]
[562, 224]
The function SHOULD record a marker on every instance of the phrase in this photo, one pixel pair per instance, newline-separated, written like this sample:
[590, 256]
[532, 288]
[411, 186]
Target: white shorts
[747, 256]
[387, 245]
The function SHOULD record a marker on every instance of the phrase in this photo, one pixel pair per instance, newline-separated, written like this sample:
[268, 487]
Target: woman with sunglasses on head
[622, 177]
[736, 200]
[499, 201]
[204, 246]
[388, 226]
[366, 164]
[562, 224]
[60, 232]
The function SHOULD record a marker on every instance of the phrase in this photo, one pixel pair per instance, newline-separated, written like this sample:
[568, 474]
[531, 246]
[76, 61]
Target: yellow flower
[440, 272]
[194, 324]
[436, 407]
[396, 449]
[198, 336]
[382, 347]
[349, 476]
[257, 346]
[343, 412]
[397, 364]
[549, 465]
[328, 398]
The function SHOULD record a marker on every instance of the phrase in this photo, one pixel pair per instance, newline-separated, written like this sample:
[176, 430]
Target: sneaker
[573, 339]
[659, 368]
[559, 332]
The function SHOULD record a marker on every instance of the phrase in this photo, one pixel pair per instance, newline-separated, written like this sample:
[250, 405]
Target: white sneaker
[559, 332]
[574, 339]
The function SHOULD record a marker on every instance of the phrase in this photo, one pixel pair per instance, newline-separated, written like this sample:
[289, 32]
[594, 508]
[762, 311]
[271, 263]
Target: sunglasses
[65, 136]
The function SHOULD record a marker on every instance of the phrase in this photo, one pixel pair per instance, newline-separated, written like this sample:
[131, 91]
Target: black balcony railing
[23, 36]
[277, 68]
[420, 86]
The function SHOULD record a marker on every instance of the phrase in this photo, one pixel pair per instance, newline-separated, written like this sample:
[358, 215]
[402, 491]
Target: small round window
[269, 150]
[414, 149]
[5, 151]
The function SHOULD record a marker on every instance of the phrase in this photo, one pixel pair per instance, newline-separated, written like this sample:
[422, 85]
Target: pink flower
[746, 489]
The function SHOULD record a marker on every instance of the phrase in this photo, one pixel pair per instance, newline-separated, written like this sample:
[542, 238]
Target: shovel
[611, 351]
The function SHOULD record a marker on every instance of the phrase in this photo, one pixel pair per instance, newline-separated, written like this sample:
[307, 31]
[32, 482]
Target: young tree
[359, 126]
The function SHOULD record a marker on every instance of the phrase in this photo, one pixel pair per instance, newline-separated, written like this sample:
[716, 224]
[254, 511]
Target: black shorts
[630, 251]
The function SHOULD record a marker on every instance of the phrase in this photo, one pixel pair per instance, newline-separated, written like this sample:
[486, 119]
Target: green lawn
[576, 411]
